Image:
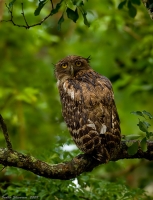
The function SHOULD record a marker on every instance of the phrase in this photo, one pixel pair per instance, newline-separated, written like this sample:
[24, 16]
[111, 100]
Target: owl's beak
[72, 70]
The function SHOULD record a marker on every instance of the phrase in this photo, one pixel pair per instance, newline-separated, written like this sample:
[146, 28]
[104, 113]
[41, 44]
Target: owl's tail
[101, 154]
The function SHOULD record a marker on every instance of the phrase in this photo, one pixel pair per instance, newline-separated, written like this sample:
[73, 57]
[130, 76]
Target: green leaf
[132, 11]
[143, 144]
[40, 6]
[149, 134]
[85, 19]
[60, 21]
[77, 3]
[132, 137]
[143, 126]
[139, 113]
[137, 2]
[129, 143]
[142, 114]
[71, 14]
[11, 3]
[146, 124]
[148, 114]
[133, 148]
[56, 9]
[122, 4]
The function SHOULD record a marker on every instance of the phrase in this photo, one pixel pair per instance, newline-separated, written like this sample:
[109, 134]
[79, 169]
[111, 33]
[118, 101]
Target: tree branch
[5, 133]
[147, 4]
[52, 4]
[27, 26]
[67, 170]
[22, 13]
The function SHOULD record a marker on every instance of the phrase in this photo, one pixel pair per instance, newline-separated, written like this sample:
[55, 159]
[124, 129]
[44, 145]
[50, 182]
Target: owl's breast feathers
[90, 113]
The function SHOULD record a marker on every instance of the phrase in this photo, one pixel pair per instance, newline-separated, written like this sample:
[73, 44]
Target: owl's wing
[91, 115]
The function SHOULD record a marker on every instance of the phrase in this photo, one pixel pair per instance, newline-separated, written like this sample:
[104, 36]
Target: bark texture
[67, 170]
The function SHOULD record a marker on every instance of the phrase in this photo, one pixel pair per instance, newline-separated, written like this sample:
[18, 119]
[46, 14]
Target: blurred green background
[121, 48]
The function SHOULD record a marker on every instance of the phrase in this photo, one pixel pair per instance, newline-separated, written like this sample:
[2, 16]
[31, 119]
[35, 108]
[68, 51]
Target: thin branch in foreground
[10, 10]
[24, 16]
[5, 133]
[52, 4]
[27, 26]
[2, 168]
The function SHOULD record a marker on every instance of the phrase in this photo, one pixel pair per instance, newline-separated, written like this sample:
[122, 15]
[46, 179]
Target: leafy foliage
[87, 188]
[60, 21]
[143, 126]
[11, 3]
[130, 4]
[122, 4]
[54, 11]
[132, 9]
[72, 14]
[40, 6]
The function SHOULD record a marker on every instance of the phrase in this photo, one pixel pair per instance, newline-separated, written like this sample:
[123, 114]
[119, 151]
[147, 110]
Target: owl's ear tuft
[88, 59]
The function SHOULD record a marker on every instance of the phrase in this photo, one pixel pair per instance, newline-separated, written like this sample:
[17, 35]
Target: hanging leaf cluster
[72, 9]
[143, 125]
[131, 5]
[72, 14]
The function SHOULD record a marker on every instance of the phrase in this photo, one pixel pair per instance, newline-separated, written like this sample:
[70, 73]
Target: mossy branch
[67, 170]
[64, 171]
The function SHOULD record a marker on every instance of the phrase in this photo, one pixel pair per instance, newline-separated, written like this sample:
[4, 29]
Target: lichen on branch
[66, 170]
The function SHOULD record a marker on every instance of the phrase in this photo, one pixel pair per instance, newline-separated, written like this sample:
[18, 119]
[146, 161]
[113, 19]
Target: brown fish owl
[88, 107]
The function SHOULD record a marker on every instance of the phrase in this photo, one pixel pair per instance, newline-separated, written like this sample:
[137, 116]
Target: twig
[24, 15]
[11, 13]
[2, 168]
[52, 4]
[5, 133]
[11, 20]
[26, 26]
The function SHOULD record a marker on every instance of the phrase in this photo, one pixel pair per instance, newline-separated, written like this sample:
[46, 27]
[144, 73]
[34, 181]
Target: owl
[88, 107]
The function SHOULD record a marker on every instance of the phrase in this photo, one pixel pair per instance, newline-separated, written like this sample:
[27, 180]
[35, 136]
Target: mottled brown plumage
[88, 107]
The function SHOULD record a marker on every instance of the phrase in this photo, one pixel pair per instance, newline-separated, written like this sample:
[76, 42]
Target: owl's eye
[64, 65]
[78, 63]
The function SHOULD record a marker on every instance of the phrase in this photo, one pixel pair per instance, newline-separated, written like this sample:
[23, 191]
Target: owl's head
[69, 67]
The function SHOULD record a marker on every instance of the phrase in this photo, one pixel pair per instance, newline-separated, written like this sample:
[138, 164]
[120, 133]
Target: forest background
[119, 40]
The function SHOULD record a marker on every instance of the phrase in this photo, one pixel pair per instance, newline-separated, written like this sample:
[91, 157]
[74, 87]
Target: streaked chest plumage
[90, 113]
